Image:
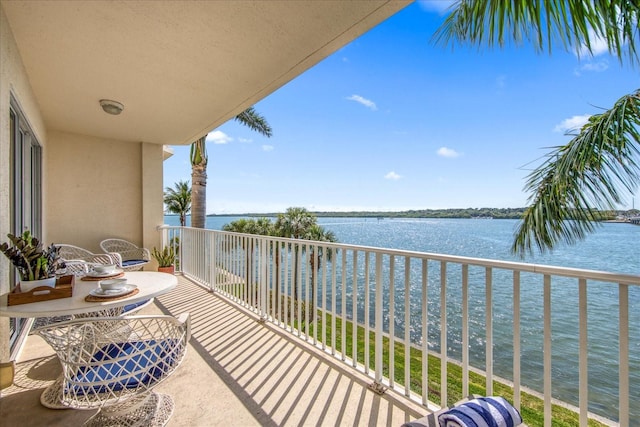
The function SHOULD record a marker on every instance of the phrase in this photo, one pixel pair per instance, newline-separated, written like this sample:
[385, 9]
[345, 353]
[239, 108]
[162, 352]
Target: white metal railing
[557, 333]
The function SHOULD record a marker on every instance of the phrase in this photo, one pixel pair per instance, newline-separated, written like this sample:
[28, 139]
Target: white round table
[150, 284]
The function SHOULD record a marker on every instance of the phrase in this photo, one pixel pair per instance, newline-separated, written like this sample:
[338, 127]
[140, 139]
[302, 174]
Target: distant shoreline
[468, 213]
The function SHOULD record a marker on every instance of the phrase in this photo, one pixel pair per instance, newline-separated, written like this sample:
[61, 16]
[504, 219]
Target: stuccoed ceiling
[180, 68]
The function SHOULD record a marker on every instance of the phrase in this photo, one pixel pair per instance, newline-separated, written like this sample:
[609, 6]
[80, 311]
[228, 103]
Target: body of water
[614, 247]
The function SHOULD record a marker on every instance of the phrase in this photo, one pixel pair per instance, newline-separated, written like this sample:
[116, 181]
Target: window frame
[25, 204]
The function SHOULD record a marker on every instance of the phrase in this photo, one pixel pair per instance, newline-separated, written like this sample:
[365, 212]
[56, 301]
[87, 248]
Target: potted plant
[166, 259]
[36, 266]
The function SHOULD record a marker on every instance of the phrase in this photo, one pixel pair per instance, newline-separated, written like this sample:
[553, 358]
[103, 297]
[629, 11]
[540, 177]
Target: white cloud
[218, 137]
[597, 67]
[364, 101]
[448, 152]
[572, 123]
[598, 46]
[245, 140]
[267, 147]
[392, 175]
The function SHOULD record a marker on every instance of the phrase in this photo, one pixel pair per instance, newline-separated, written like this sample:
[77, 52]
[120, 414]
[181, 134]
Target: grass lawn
[531, 407]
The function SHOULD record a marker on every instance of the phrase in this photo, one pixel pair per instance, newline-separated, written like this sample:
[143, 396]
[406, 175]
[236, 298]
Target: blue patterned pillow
[490, 411]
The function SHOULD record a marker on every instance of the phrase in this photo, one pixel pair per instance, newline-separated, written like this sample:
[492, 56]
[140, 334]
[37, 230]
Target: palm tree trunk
[198, 195]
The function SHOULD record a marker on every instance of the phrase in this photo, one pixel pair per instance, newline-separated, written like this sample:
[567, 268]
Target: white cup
[104, 268]
[112, 284]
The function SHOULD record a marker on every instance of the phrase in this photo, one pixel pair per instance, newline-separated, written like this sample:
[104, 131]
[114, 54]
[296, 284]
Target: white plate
[113, 273]
[98, 292]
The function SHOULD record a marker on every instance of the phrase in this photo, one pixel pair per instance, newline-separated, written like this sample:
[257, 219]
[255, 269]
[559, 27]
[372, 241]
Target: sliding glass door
[26, 189]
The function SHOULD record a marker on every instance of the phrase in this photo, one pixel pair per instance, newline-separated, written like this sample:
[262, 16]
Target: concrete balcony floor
[237, 372]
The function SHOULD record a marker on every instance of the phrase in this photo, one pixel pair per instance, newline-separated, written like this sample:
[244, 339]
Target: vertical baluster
[583, 375]
[240, 268]
[343, 310]
[367, 323]
[287, 282]
[623, 369]
[323, 285]
[407, 332]
[299, 285]
[378, 319]
[354, 309]
[265, 278]
[489, 332]
[392, 317]
[201, 258]
[516, 339]
[547, 351]
[334, 310]
[251, 271]
[425, 335]
[443, 335]
[307, 292]
[313, 280]
[465, 329]
[211, 238]
[277, 289]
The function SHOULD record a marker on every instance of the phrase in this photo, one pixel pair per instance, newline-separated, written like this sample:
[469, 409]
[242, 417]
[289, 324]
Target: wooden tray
[63, 289]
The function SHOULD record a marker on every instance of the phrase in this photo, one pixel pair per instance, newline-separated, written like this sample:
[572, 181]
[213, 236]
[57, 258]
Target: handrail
[291, 283]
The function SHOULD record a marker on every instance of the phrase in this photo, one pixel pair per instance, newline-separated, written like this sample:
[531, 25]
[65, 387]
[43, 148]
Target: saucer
[126, 289]
[113, 273]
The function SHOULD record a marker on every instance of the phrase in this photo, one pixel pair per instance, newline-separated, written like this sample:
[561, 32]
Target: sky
[394, 121]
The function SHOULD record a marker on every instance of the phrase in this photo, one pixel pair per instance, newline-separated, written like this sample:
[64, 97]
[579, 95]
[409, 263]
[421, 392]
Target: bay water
[614, 247]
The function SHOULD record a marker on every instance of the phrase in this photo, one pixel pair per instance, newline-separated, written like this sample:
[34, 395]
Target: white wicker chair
[133, 257]
[75, 255]
[78, 262]
[114, 363]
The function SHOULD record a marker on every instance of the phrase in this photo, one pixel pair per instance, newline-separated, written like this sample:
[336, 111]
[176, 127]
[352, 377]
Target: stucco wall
[13, 81]
[93, 188]
[101, 188]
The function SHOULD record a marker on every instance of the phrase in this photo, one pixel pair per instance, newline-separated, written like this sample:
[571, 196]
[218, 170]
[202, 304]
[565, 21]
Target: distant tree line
[505, 213]
[480, 213]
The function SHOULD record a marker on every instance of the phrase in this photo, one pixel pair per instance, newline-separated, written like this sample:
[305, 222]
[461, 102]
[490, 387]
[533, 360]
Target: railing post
[425, 333]
[264, 279]
[623, 368]
[379, 329]
[443, 334]
[212, 263]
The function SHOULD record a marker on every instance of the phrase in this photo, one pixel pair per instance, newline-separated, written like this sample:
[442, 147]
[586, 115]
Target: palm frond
[582, 178]
[574, 24]
[254, 121]
[198, 152]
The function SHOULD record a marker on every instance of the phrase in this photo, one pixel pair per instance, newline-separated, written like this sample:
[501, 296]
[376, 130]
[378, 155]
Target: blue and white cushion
[490, 411]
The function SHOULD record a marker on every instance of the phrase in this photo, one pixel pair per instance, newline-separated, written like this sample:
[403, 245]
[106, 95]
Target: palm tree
[198, 156]
[318, 234]
[260, 226]
[178, 200]
[584, 176]
[294, 224]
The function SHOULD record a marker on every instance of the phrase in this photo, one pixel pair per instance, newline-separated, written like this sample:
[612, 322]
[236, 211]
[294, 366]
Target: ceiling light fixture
[111, 107]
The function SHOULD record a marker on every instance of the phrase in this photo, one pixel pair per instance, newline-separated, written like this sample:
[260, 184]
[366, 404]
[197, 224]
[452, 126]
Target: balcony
[238, 371]
[259, 357]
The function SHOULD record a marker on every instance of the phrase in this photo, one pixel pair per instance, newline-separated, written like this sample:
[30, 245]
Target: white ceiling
[181, 68]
